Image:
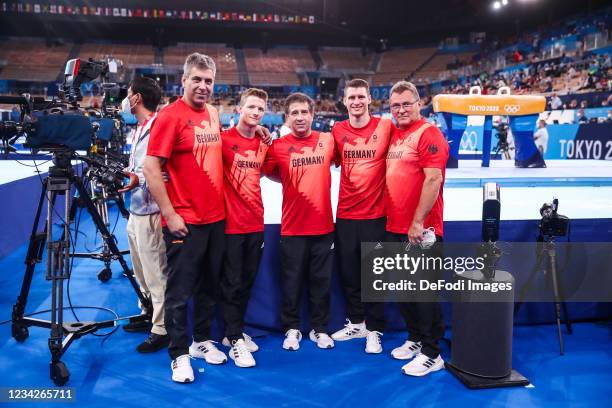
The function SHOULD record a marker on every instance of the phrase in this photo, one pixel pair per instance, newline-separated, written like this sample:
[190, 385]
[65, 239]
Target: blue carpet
[110, 373]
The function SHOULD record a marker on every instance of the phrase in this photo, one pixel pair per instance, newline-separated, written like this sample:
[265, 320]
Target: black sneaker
[138, 326]
[153, 343]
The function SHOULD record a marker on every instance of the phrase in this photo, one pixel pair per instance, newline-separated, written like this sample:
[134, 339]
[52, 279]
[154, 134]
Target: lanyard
[141, 130]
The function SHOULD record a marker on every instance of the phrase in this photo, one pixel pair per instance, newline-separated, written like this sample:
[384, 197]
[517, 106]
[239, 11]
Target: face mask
[125, 106]
[126, 112]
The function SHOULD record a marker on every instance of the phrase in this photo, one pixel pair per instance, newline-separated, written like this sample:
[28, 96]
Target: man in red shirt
[361, 144]
[185, 142]
[243, 156]
[302, 160]
[416, 162]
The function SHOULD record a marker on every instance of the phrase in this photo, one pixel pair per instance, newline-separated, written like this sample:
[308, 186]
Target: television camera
[552, 223]
[62, 128]
[49, 125]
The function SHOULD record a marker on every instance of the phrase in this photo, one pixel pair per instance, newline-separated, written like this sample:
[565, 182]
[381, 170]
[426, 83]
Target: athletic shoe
[153, 343]
[138, 326]
[407, 350]
[373, 344]
[251, 346]
[181, 369]
[350, 331]
[423, 365]
[241, 355]
[322, 339]
[208, 351]
[292, 340]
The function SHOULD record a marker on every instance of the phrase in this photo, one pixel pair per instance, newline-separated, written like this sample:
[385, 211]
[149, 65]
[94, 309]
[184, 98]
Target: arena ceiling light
[498, 4]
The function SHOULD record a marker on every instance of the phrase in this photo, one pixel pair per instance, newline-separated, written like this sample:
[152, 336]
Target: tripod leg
[568, 322]
[35, 250]
[521, 297]
[552, 264]
[58, 269]
[109, 239]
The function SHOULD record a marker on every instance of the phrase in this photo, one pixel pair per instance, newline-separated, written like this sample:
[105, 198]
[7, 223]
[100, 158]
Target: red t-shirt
[362, 154]
[420, 146]
[190, 141]
[303, 165]
[242, 161]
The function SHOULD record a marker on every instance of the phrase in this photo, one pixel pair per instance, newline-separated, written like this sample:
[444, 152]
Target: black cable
[74, 245]
[116, 220]
[29, 165]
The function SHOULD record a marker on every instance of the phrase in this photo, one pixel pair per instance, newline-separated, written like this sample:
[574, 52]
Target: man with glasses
[416, 162]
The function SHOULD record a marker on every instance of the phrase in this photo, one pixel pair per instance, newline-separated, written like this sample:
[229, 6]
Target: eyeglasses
[406, 105]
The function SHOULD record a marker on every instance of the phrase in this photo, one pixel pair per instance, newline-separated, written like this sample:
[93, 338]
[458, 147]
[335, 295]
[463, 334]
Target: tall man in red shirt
[243, 157]
[416, 162]
[361, 143]
[302, 160]
[185, 142]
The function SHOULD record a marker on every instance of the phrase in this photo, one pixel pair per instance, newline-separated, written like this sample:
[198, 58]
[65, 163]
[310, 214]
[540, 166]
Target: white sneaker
[241, 355]
[181, 369]
[407, 350]
[322, 339]
[423, 365]
[250, 344]
[208, 351]
[292, 340]
[373, 344]
[350, 331]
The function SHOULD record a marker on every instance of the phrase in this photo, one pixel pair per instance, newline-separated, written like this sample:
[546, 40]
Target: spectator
[555, 102]
[581, 118]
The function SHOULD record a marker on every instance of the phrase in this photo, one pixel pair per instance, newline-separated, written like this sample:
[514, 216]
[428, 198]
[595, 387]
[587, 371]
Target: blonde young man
[243, 156]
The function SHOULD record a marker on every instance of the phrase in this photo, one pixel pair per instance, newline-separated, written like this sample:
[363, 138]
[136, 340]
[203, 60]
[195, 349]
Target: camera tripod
[100, 197]
[504, 148]
[547, 250]
[59, 182]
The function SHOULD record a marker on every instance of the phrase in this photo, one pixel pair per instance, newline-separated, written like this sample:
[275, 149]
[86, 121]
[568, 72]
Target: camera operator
[144, 229]
[503, 145]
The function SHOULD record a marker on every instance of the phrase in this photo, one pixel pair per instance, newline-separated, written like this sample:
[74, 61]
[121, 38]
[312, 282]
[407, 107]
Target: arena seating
[32, 60]
[277, 67]
[225, 59]
[131, 54]
[349, 60]
[397, 64]
[438, 64]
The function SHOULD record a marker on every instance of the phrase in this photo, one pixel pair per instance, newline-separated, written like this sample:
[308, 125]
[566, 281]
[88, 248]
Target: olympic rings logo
[512, 108]
[469, 140]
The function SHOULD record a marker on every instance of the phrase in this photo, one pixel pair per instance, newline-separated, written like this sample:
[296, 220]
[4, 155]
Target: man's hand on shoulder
[264, 134]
